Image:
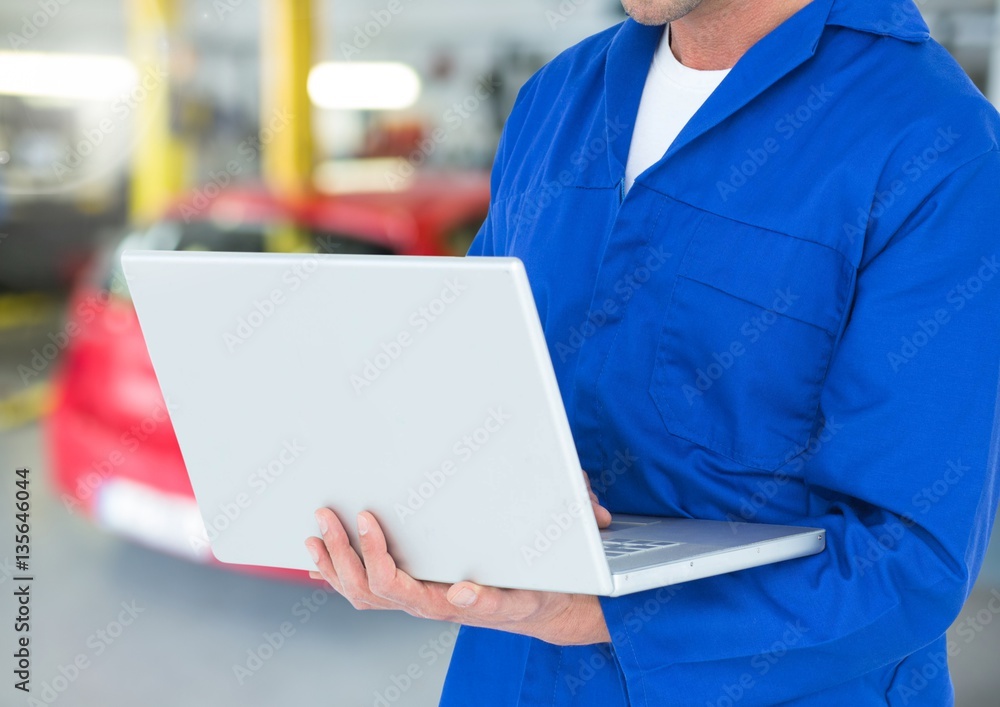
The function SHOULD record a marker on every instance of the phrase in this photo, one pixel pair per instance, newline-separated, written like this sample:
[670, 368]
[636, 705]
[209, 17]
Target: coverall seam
[752, 225]
[783, 315]
[607, 356]
[995, 149]
[635, 657]
[555, 681]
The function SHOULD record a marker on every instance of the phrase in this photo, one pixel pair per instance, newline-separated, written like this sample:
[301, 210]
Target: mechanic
[755, 132]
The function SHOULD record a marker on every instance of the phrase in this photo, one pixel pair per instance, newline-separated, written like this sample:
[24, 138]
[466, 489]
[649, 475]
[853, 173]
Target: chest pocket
[747, 340]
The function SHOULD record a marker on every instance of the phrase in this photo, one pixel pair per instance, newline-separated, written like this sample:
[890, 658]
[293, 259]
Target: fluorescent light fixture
[67, 76]
[360, 85]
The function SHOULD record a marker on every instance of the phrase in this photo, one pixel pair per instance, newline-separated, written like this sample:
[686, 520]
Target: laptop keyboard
[620, 548]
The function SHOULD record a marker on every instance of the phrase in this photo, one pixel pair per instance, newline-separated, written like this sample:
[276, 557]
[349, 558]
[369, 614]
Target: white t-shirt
[673, 94]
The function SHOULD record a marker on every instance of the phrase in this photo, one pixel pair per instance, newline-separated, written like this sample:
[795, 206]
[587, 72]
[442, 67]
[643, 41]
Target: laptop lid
[420, 389]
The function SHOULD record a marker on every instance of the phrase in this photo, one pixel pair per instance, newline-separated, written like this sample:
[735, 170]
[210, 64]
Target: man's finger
[426, 600]
[602, 514]
[342, 562]
[324, 564]
[385, 579]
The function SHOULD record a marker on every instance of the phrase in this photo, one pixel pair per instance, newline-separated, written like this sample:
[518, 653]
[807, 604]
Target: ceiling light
[68, 76]
[363, 86]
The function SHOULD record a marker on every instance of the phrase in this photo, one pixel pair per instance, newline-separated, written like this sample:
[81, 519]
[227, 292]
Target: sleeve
[491, 239]
[905, 482]
[484, 244]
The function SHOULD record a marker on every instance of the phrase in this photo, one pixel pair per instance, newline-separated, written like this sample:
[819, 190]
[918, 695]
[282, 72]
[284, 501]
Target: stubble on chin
[658, 12]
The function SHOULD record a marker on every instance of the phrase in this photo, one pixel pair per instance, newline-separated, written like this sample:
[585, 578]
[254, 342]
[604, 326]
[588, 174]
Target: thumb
[488, 601]
[602, 514]
[464, 594]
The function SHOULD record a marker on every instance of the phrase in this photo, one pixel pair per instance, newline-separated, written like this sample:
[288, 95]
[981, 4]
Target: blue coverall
[793, 318]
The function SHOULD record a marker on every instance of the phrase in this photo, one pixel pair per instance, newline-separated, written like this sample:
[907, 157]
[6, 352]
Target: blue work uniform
[793, 317]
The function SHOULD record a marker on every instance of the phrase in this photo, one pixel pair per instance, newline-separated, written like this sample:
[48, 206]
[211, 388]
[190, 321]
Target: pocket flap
[797, 278]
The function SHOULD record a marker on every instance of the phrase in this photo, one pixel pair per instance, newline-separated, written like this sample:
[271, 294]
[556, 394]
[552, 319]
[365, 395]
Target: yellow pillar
[287, 34]
[160, 159]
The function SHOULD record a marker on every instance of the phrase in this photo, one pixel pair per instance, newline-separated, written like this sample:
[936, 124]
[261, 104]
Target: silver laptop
[420, 389]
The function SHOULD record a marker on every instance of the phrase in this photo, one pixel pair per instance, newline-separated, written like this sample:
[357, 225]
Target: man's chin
[654, 13]
[648, 20]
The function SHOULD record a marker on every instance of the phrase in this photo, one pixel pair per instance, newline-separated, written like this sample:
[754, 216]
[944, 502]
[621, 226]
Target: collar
[889, 18]
[790, 45]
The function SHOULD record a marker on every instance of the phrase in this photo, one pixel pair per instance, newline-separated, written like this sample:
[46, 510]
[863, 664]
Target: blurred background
[247, 125]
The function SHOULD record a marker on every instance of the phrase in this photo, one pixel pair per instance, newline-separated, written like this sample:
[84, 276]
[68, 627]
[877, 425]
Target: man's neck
[718, 32]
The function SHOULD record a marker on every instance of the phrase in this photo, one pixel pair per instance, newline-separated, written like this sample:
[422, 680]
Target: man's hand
[373, 581]
[601, 513]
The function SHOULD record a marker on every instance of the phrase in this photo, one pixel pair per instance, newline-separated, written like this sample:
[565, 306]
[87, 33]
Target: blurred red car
[112, 449]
